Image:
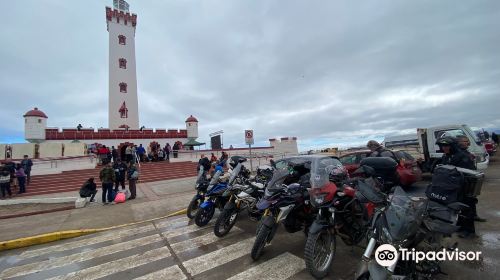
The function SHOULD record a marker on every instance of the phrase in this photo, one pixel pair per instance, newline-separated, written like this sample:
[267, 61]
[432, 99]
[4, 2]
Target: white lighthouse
[123, 104]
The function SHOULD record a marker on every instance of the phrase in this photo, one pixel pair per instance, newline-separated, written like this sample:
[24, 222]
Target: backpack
[446, 186]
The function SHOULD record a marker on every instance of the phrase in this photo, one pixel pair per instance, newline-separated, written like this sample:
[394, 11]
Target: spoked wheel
[260, 241]
[203, 216]
[225, 222]
[319, 253]
[193, 207]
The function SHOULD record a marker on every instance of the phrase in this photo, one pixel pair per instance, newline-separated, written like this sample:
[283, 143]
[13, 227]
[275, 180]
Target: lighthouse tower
[123, 105]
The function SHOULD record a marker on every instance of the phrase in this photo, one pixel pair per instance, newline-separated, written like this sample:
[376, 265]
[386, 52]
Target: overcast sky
[329, 72]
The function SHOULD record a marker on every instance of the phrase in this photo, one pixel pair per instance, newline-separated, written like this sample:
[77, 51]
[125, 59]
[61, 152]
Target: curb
[59, 235]
[37, 212]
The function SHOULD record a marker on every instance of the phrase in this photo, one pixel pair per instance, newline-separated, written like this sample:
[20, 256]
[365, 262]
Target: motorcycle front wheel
[204, 215]
[320, 252]
[193, 207]
[260, 241]
[225, 222]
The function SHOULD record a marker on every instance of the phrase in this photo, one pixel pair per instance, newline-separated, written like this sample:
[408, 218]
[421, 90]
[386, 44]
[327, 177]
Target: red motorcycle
[344, 210]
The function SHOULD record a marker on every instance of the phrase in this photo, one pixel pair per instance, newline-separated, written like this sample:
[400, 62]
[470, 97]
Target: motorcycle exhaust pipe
[369, 249]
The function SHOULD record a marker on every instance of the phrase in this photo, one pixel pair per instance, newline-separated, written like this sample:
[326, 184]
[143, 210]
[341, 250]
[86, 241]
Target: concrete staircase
[73, 180]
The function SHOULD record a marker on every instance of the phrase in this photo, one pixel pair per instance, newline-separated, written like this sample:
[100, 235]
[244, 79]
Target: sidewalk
[154, 199]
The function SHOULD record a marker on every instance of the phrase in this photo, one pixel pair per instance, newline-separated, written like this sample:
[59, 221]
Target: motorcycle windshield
[199, 179]
[276, 182]
[404, 215]
[215, 178]
[321, 168]
[234, 174]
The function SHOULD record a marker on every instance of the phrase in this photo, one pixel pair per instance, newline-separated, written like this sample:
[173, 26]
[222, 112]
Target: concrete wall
[116, 142]
[286, 145]
[74, 149]
[19, 150]
[2, 151]
[50, 150]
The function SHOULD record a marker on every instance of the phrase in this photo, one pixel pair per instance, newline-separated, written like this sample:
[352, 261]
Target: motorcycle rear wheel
[260, 241]
[225, 222]
[319, 253]
[203, 216]
[193, 207]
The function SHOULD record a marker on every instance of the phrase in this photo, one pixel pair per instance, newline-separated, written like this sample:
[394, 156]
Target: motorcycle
[286, 201]
[408, 222]
[343, 210]
[211, 199]
[241, 194]
[241, 197]
[202, 184]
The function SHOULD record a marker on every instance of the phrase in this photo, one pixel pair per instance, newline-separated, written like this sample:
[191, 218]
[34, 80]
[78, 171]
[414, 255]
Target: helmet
[446, 141]
[372, 143]
[219, 168]
[338, 174]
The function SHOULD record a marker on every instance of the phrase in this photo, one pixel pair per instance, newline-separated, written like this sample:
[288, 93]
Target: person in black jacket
[120, 172]
[89, 189]
[205, 162]
[454, 155]
[378, 150]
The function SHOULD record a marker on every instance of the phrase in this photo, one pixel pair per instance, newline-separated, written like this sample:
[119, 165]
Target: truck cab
[427, 143]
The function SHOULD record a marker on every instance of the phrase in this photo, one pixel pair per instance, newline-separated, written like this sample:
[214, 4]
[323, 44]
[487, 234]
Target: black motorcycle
[405, 223]
[286, 201]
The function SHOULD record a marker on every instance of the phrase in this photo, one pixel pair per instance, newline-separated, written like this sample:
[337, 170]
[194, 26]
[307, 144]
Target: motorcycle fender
[284, 211]
[317, 226]
[268, 221]
[207, 204]
[230, 205]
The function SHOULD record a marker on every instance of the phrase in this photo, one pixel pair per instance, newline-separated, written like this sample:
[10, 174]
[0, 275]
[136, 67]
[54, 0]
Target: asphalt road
[175, 248]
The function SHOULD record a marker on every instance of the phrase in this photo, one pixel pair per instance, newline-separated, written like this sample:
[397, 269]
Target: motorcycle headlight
[318, 199]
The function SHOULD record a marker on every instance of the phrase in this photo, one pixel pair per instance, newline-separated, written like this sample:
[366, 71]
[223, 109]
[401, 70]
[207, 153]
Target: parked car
[408, 169]
[484, 137]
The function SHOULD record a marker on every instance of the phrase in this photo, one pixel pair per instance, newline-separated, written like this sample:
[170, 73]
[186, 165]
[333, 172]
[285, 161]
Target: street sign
[249, 137]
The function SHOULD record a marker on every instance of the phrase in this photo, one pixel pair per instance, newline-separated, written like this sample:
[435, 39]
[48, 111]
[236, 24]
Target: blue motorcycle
[211, 199]
[202, 184]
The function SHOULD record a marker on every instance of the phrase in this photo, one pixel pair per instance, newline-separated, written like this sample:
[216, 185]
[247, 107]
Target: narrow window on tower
[122, 62]
[122, 40]
[123, 87]
[123, 111]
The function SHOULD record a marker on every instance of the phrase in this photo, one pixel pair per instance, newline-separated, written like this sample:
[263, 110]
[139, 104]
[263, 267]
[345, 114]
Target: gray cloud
[326, 72]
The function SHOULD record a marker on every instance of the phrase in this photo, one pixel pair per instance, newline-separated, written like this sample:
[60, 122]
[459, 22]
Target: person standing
[114, 153]
[107, 176]
[168, 149]
[5, 182]
[134, 154]
[454, 155]
[464, 144]
[140, 152]
[128, 154]
[89, 189]
[27, 164]
[120, 172]
[213, 158]
[133, 176]
[175, 149]
[21, 178]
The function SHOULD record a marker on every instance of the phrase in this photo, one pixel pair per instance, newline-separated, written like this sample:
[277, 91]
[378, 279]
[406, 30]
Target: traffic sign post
[249, 141]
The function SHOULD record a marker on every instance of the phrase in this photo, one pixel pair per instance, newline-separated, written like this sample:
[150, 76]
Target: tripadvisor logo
[387, 255]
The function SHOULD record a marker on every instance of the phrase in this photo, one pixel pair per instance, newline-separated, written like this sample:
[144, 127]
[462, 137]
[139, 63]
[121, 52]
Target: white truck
[423, 144]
